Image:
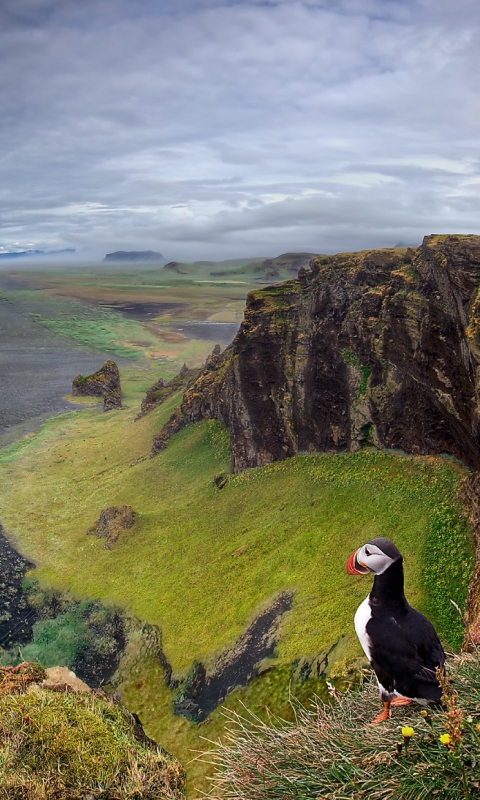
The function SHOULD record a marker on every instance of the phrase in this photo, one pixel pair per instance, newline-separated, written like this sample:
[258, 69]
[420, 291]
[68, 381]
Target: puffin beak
[355, 567]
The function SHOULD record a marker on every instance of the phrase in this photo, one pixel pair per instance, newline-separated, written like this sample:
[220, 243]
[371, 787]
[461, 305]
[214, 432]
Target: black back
[405, 648]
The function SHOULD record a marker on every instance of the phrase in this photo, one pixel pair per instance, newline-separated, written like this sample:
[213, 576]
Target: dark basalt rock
[175, 266]
[470, 497]
[17, 615]
[177, 421]
[380, 347]
[103, 383]
[201, 692]
[158, 393]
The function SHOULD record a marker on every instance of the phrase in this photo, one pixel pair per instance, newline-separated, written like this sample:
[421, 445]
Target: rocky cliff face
[470, 498]
[378, 347]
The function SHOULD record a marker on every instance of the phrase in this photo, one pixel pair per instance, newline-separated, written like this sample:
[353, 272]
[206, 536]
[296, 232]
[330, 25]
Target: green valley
[200, 563]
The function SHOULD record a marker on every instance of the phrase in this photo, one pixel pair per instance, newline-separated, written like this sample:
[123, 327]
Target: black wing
[407, 648]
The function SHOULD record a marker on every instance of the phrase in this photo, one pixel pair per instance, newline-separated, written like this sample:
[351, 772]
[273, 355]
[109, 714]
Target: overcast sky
[217, 128]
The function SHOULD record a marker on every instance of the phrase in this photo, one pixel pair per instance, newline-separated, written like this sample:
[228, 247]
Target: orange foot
[384, 715]
[401, 701]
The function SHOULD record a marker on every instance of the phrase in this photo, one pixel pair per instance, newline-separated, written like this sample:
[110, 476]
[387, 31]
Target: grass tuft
[59, 745]
[332, 752]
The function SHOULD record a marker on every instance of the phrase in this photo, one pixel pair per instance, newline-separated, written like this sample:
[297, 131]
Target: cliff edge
[377, 347]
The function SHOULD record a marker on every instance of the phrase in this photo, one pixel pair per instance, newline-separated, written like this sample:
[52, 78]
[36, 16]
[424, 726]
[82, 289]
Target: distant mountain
[135, 255]
[33, 253]
[281, 268]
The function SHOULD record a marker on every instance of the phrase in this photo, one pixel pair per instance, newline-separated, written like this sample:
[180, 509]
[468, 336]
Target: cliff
[377, 347]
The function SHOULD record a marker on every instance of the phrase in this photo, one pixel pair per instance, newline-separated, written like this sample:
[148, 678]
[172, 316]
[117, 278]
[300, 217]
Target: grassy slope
[200, 563]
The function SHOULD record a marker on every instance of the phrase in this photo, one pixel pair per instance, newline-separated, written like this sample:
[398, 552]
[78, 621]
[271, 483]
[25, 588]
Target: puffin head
[376, 556]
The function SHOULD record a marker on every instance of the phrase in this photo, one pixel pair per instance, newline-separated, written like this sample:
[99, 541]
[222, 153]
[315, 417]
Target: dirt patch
[111, 524]
[168, 336]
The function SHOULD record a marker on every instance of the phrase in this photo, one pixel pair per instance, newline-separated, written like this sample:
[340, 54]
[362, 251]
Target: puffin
[399, 642]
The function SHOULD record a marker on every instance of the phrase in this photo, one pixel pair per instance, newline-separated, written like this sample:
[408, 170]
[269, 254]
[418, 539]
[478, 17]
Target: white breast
[362, 615]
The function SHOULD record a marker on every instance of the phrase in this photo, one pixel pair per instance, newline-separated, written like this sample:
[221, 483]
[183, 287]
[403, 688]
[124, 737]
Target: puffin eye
[367, 551]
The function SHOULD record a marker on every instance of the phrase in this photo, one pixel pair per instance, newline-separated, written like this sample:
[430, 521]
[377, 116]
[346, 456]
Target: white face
[372, 558]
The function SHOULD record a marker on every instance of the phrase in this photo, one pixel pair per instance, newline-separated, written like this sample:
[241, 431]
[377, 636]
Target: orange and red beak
[355, 567]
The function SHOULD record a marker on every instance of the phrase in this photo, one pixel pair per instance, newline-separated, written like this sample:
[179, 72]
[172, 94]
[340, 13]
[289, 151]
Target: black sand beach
[36, 371]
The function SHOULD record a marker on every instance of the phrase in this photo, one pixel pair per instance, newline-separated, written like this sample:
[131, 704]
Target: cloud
[314, 125]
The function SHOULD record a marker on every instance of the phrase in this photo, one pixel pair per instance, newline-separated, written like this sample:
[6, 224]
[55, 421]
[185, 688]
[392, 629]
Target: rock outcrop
[103, 383]
[291, 262]
[162, 389]
[175, 266]
[379, 347]
[201, 692]
[111, 524]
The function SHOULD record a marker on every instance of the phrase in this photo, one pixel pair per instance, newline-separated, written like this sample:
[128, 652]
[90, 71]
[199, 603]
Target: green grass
[110, 332]
[295, 521]
[101, 330]
[200, 563]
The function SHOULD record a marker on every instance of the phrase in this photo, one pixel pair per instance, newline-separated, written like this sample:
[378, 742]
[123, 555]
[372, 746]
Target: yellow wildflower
[424, 712]
[445, 738]
[407, 731]
[478, 726]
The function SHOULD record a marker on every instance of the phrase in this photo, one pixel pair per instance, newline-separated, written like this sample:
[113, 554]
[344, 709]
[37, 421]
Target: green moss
[350, 358]
[57, 745]
[365, 372]
[85, 629]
